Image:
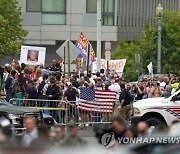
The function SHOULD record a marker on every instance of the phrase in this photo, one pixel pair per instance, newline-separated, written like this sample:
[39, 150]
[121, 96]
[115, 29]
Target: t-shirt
[139, 96]
[32, 92]
[115, 87]
[162, 84]
[70, 94]
[125, 95]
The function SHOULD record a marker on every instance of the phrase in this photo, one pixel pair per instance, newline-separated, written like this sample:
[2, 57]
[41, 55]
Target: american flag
[101, 101]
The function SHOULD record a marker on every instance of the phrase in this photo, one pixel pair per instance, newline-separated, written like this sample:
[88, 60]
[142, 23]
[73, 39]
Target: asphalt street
[87, 133]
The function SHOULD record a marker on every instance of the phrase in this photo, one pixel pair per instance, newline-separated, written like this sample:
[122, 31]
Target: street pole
[98, 35]
[107, 64]
[159, 46]
[159, 11]
[68, 50]
[64, 61]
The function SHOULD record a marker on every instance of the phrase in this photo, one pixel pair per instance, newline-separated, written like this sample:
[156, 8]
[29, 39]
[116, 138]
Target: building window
[53, 6]
[108, 7]
[53, 11]
[91, 6]
[33, 5]
[55, 19]
[108, 12]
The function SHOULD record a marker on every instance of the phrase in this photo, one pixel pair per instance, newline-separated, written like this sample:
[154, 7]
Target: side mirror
[174, 98]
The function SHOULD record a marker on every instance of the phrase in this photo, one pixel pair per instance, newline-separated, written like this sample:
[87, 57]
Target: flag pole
[64, 61]
[98, 35]
[68, 49]
[88, 48]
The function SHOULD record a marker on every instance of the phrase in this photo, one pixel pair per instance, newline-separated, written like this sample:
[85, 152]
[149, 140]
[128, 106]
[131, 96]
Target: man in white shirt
[31, 133]
[162, 83]
[115, 87]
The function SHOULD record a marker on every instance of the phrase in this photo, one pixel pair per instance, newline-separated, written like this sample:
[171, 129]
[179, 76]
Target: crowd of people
[38, 82]
[59, 136]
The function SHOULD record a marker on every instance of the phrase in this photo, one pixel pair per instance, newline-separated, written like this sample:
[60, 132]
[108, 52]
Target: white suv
[157, 111]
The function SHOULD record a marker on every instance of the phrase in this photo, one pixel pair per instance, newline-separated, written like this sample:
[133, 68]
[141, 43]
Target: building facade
[51, 22]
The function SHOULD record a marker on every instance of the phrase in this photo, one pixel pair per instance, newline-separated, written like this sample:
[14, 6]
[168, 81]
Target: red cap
[99, 78]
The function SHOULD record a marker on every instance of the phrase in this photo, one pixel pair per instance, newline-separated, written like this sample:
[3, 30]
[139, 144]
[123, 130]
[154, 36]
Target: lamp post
[98, 35]
[159, 11]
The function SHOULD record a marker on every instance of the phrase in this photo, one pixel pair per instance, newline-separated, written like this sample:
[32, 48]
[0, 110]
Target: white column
[98, 35]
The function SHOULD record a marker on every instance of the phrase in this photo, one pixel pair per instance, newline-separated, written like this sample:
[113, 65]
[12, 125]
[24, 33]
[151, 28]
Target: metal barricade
[56, 108]
[82, 111]
[90, 112]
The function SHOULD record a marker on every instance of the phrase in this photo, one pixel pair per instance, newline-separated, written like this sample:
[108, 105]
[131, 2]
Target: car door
[174, 108]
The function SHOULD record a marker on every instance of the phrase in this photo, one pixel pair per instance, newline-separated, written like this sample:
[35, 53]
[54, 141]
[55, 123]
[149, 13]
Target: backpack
[14, 86]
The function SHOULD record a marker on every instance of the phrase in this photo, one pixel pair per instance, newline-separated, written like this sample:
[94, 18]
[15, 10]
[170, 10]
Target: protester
[70, 95]
[125, 100]
[142, 129]
[156, 89]
[115, 87]
[11, 86]
[99, 84]
[119, 128]
[26, 77]
[31, 133]
[140, 90]
[60, 134]
[42, 138]
[167, 92]
[73, 140]
[31, 93]
[131, 133]
[53, 93]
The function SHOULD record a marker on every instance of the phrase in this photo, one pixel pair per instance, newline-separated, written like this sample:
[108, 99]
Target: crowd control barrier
[56, 108]
[83, 112]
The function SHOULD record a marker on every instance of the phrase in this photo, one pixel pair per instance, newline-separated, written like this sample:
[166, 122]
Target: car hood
[159, 101]
[17, 109]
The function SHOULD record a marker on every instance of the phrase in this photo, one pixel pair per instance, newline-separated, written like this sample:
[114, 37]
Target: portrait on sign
[32, 55]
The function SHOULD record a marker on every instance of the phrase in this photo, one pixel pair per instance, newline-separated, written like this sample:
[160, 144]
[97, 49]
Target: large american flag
[92, 100]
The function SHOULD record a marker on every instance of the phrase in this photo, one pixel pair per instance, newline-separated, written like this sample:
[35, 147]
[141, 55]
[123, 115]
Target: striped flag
[101, 101]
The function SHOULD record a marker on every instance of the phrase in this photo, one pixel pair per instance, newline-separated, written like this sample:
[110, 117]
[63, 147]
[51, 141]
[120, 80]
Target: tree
[147, 47]
[11, 31]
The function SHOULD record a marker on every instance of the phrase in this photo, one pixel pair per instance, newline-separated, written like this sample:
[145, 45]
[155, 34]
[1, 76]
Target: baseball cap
[94, 77]
[6, 65]
[99, 78]
[69, 83]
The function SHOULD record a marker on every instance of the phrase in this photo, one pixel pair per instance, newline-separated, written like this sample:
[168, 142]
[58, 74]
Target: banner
[150, 68]
[117, 65]
[82, 45]
[32, 55]
[92, 54]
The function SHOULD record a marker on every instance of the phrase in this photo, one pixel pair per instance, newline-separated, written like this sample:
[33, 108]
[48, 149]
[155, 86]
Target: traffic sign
[108, 46]
[108, 55]
[74, 51]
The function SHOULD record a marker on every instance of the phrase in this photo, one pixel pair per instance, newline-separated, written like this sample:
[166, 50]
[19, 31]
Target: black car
[16, 115]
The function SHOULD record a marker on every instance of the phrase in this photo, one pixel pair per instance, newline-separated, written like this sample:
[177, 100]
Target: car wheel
[156, 123]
